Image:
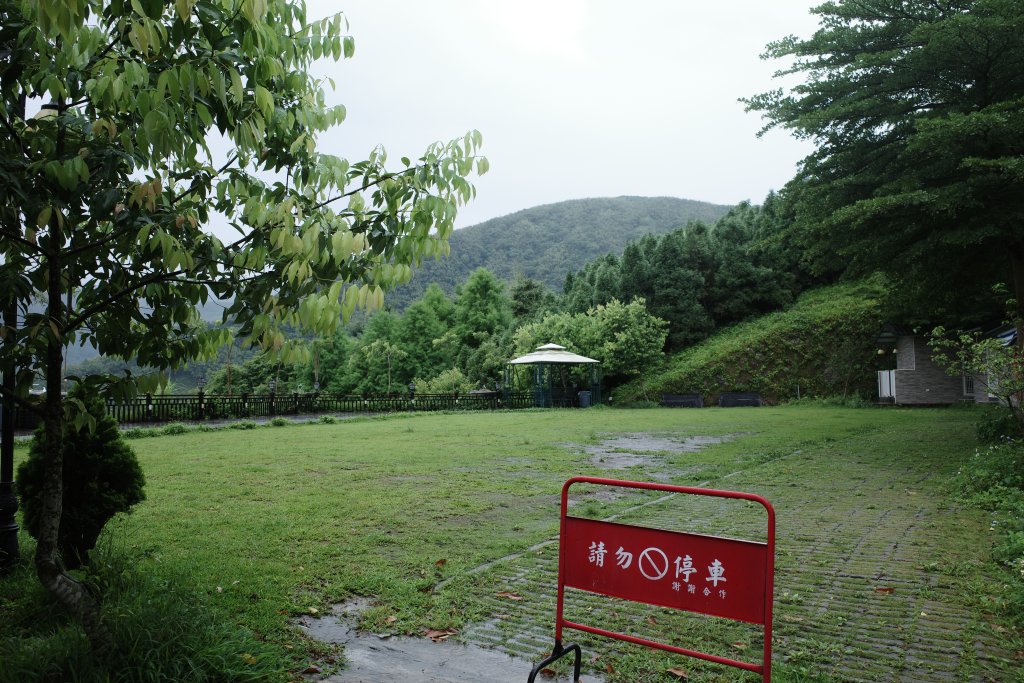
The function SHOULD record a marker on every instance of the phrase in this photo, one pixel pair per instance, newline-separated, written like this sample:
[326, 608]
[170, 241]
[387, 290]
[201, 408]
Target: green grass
[161, 628]
[267, 524]
[306, 516]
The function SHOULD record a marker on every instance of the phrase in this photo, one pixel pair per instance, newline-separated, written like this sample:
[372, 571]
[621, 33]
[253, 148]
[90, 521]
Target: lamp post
[201, 384]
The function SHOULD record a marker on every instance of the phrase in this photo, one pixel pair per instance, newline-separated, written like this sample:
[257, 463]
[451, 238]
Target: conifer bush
[102, 477]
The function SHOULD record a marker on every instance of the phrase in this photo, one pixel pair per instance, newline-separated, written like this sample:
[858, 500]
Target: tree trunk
[70, 593]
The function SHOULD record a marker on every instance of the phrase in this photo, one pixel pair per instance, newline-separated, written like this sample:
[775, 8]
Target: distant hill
[547, 242]
[544, 243]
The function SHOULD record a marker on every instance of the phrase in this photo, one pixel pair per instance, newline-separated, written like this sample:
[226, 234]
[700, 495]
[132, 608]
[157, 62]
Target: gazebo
[552, 383]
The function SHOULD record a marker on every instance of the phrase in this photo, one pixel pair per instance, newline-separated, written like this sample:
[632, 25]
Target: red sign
[722, 577]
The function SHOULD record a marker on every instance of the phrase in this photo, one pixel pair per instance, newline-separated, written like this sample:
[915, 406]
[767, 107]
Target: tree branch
[85, 314]
[195, 181]
[25, 243]
[94, 245]
[366, 186]
[14, 134]
[23, 402]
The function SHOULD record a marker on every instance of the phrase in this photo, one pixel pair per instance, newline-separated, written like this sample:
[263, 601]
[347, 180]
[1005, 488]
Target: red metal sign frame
[659, 567]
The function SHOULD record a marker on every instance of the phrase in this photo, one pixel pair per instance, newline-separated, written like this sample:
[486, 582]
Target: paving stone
[857, 593]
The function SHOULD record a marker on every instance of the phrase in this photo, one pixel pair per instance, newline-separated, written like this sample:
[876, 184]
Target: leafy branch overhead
[123, 176]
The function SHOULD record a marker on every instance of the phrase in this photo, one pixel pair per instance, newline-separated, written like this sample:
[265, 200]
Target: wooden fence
[150, 409]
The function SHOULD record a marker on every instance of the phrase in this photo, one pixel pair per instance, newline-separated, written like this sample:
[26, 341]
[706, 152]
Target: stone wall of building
[919, 381]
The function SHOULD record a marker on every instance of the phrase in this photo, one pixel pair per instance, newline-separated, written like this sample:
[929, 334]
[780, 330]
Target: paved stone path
[871, 584]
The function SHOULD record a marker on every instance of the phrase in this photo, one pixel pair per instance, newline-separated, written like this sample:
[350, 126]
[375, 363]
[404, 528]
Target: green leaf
[265, 101]
[236, 85]
[44, 217]
[153, 124]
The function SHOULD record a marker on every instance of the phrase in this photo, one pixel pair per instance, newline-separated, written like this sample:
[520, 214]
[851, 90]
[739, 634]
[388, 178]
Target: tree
[424, 322]
[254, 376]
[450, 381]
[773, 246]
[97, 456]
[917, 111]
[335, 354]
[996, 365]
[482, 309]
[531, 299]
[679, 273]
[624, 337]
[371, 362]
[380, 351]
[110, 192]
[598, 282]
[743, 286]
[635, 269]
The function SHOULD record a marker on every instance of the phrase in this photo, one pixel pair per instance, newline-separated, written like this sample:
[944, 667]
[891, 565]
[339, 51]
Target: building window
[968, 385]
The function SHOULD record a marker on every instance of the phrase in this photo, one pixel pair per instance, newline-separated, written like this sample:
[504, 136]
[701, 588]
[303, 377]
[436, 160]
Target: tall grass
[162, 629]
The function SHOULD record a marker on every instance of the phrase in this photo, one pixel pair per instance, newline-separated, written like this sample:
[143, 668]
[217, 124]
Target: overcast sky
[574, 98]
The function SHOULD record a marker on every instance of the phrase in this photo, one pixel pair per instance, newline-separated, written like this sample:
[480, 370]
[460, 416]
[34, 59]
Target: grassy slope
[825, 343]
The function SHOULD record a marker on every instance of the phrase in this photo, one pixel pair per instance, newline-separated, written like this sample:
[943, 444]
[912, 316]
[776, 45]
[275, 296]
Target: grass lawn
[281, 521]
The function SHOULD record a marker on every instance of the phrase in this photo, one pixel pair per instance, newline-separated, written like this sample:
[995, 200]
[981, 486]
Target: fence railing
[160, 409]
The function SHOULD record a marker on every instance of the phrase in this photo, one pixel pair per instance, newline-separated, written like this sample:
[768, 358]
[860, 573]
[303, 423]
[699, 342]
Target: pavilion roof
[552, 353]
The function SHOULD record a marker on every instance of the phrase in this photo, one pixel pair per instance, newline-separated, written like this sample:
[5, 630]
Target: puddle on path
[648, 450]
[372, 658]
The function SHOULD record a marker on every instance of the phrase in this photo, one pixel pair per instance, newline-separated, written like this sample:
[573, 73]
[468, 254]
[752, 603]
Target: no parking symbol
[653, 563]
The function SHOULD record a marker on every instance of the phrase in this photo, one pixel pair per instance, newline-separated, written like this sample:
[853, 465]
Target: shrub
[637, 404]
[451, 381]
[280, 422]
[852, 401]
[136, 433]
[174, 428]
[993, 480]
[101, 477]
[244, 424]
[996, 424]
[327, 419]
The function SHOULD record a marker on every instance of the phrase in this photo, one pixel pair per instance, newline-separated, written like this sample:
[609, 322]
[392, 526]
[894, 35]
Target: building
[917, 379]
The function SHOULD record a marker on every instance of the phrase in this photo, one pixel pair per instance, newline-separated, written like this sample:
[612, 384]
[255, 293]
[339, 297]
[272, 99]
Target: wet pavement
[386, 658]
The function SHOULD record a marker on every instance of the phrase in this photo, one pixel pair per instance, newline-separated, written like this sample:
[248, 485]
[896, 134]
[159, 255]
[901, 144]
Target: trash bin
[584, 397]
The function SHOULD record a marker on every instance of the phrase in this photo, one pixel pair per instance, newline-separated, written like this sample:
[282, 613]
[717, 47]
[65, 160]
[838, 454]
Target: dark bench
[734, 399]
[682, 400]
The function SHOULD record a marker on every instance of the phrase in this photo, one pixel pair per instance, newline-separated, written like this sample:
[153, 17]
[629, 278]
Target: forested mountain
[547, 242]
[701, 277]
